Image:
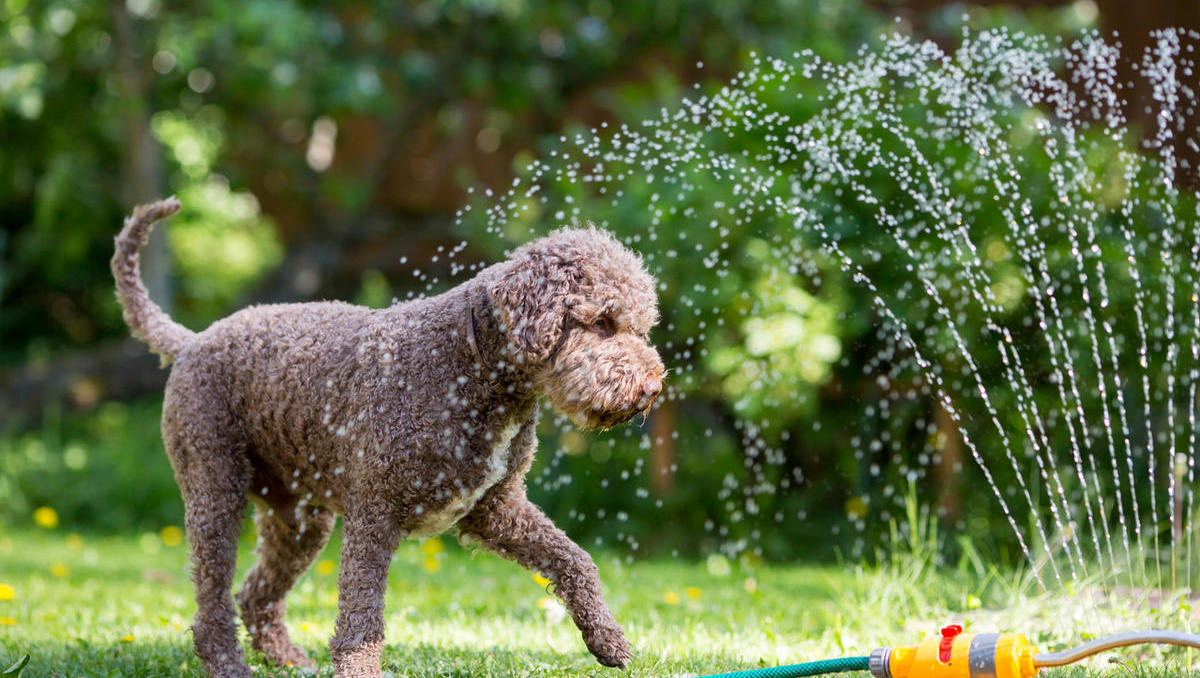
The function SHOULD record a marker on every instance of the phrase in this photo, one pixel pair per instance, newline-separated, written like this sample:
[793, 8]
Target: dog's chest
[443, 515]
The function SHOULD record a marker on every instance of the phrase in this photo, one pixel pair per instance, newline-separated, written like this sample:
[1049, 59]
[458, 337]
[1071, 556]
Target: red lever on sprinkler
[947, 644]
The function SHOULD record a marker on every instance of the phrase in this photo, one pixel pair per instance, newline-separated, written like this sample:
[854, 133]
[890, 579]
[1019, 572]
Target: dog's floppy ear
[533, 296]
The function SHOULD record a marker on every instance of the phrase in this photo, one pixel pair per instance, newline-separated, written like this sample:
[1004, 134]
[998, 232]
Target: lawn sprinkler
[954, 654]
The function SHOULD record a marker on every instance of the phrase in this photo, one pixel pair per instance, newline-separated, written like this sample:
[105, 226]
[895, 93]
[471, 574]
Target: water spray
[954, 654]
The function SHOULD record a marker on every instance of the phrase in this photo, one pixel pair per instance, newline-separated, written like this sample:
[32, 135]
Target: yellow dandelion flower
[541, 581]
[432, 547]
[692, 592]
[59, 570]
[171, 535]
[46, 517]
[325, 566]
[8, 621]
[74, 542]
[127, 639]
[432, 565]
[7, 592]
[671, 598]
[306, 627]
[973, 601]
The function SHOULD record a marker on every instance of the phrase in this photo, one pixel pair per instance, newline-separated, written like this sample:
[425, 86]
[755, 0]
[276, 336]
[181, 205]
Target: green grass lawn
[121, 606]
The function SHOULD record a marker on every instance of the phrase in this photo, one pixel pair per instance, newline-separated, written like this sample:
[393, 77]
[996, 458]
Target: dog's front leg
[509, 524]
[367, 548]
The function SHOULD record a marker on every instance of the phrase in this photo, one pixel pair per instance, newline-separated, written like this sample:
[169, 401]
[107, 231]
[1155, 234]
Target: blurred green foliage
[104, 471]
[239, 89]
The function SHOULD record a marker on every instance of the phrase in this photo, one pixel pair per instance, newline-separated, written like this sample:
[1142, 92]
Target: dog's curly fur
[407, 421]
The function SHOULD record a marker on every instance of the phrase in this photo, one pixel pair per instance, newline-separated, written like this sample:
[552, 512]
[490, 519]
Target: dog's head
[577, 306]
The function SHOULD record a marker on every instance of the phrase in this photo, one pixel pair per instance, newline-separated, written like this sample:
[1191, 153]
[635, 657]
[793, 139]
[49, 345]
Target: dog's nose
[652, 385]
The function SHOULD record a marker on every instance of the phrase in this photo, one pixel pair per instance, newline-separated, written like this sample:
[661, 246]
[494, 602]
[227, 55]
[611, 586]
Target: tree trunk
[141, 163]
[949, 467]
[662, 456]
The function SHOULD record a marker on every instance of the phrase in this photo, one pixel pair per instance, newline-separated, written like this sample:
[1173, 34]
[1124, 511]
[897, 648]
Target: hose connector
[878, 662]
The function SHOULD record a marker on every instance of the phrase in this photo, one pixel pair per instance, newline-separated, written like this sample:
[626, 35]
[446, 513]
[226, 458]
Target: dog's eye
[604, 326]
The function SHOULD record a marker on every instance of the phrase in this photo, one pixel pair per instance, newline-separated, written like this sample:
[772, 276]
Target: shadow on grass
[82, 658]
[158, 658]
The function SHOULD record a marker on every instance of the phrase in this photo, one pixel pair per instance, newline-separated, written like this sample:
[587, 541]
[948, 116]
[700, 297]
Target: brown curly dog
[407, 421]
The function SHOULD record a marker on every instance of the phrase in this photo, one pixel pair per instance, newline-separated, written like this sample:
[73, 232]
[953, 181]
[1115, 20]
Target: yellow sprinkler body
[954, 654]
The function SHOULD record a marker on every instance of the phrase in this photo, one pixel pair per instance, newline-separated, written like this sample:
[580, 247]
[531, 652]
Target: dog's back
[282, 359]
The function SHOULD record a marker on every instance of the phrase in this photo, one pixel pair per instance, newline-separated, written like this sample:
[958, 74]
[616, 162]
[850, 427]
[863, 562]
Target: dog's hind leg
[213, 475]
[286, 548]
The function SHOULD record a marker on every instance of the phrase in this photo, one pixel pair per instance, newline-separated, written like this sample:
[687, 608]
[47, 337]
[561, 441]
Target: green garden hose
[818, 668]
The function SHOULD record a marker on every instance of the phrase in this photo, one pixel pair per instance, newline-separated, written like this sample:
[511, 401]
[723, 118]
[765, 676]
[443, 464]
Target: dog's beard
[599, 406]
[600, 383]
[596, 416]
[606, 419]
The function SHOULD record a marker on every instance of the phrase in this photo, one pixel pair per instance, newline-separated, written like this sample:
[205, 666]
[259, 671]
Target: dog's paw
[357, 662]
[287, 654]
[273, 642]
[232, 671]
[609, 647]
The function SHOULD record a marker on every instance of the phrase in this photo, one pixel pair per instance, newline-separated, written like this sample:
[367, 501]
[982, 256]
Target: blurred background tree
[325, 152]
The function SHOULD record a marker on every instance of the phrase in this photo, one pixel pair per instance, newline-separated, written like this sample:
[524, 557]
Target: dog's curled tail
[147, 320]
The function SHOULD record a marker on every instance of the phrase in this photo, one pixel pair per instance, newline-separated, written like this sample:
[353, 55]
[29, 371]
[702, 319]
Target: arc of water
[1094, 64]
[1159, 66]
[1038, 75]
[1193, 404]
[975, 103]
[1068, 105]
[1193, 374]
[1098, 62]
[1131, 162]
[1015, 375]
[843, 172]
[890, 225]
[904, 334]
[906, 58]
